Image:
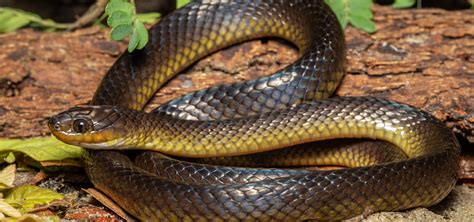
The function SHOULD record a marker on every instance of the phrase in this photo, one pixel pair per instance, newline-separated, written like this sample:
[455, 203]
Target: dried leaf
[8, 210]
[106, 201]
[7, 176]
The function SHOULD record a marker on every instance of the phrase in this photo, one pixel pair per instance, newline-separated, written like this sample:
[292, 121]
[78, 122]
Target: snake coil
[285, 109]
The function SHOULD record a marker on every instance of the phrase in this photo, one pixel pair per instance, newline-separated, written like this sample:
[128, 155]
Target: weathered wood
[421, 57]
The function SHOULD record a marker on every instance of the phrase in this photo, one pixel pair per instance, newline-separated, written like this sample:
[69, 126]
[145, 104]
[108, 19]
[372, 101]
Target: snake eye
[81, 126]
[57, 126]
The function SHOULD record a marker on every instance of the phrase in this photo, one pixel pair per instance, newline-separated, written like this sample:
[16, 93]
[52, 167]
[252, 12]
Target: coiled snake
[285, 109]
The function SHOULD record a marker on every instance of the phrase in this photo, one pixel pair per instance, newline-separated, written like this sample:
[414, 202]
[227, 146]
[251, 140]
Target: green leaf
[27, 198]
[119, 18]
[124, 21]
[114, 6]
[4, 15]
[132, 44]
[13, 22]
[339, 9]
[120, 32]
[7, 176]
[24, 14]
[148, 18]
[355, 12]
[363, 23]
[403, 3]
[41, 149]
[359, 6]
[8, 210]
[139, 36]
[360, 14]
[142, 34]
[13, 19]
[181, 3]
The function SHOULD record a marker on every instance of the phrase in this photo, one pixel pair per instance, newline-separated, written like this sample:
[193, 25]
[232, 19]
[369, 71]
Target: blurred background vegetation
[127, 17]
[68, 10]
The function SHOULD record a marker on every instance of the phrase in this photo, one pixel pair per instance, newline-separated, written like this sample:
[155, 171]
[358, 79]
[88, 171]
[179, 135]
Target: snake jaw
[111, 144]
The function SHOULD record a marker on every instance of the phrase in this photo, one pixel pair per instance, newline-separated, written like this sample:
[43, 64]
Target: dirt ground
[458, 206]
[423, 57]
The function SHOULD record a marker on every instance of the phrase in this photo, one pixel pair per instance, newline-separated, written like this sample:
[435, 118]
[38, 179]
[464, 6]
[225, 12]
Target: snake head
[93, 127]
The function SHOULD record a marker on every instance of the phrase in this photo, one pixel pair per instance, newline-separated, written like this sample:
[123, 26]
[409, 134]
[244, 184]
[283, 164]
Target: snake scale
[408, 159]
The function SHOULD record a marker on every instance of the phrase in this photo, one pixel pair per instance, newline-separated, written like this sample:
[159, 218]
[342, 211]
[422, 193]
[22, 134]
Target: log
[424, 58]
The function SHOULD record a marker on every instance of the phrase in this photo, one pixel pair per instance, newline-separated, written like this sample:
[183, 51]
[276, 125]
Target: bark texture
[421, 57]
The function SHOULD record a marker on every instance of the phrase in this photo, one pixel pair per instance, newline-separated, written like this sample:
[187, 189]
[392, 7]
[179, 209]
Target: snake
[241, 151]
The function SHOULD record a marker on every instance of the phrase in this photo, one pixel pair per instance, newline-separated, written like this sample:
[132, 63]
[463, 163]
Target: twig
[88, 17]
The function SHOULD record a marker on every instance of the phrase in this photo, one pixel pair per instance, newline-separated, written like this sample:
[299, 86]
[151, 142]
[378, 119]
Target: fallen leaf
[27, 198]
[8, 210]
[7, 176]
[42, 148]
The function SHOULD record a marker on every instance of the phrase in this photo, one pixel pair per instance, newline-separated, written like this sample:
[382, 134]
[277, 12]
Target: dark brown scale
[217, 193]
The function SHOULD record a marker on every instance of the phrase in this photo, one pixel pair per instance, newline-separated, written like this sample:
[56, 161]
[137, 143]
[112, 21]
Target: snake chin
[112, 144]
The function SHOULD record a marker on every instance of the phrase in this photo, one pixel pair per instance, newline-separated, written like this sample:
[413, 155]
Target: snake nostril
[54, 123]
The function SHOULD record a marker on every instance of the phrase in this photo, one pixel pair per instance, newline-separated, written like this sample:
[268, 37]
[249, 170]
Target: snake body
[285, 109]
